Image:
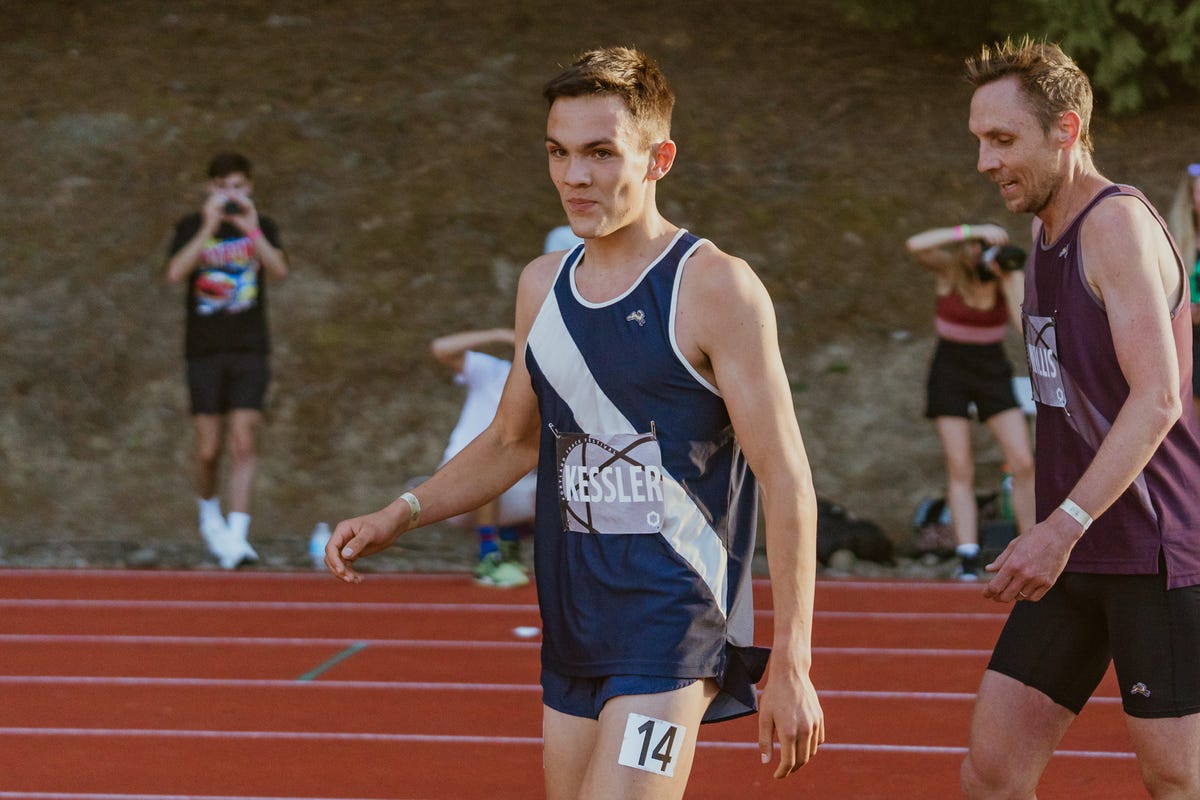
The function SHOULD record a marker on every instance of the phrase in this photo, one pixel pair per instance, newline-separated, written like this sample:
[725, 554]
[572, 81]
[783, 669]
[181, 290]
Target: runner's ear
[662, 157]
[1066, 131]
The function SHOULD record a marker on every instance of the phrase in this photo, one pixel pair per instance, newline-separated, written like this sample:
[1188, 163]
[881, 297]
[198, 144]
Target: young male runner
[1112, 570]
[651, 396]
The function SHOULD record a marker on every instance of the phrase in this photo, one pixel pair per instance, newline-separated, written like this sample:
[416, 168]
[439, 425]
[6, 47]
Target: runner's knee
[1172, 779]
[984, 777]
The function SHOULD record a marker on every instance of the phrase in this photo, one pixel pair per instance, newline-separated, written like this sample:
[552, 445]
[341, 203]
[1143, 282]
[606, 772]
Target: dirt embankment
[398, 145]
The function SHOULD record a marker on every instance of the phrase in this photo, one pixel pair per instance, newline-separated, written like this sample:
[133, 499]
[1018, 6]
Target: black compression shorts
[1062, 644]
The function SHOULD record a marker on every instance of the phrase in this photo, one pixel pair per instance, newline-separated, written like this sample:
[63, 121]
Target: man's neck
[631, 247]
[1082, 183]
[612, 263]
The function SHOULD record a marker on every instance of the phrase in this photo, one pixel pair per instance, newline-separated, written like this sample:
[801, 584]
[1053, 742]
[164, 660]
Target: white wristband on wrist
[1076, 513]
[414, 509]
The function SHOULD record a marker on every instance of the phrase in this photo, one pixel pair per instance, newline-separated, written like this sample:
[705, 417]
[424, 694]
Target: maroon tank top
[1079, 388]
[959, 322]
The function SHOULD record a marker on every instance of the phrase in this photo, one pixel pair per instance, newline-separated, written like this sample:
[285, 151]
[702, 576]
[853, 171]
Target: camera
[1009, 258]
[231, 207]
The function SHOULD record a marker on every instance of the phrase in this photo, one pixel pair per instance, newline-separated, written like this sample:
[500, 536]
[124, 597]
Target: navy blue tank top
[1079, 388]
[664, 593]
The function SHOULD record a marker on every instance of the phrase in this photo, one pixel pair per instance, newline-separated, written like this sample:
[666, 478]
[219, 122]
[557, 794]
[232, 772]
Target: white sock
[209, 507]
[239, 524]
[968, 550]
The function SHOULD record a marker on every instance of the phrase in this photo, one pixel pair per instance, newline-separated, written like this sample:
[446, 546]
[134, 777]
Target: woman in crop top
[1184, 223]
[979, 286]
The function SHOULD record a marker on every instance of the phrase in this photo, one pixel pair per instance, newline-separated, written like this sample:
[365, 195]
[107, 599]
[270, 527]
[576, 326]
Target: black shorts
[220, 383]
[962, 374]
[1062, 644]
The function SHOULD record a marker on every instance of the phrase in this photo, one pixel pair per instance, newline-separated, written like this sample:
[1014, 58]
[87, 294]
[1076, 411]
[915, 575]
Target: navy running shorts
[226, 381]
[1062, 644]
[585, 697]
[962, 374]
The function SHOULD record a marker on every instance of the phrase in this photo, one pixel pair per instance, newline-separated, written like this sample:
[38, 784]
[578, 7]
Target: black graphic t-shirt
[227, 292]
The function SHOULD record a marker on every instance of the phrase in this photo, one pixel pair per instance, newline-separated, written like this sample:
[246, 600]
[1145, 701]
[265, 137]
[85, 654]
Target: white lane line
[127, 576]
[410, 738]
[103, 796]
[308, 607]
[174, 576]
[898, 585]
[424, 686]
[263, 683]
[455, 644]
[258, 641]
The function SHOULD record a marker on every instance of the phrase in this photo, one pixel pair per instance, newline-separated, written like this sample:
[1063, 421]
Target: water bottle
[1006, 488]
[316, 544]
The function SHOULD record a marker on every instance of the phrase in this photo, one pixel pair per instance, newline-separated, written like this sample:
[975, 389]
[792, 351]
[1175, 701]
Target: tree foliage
[1136, 52]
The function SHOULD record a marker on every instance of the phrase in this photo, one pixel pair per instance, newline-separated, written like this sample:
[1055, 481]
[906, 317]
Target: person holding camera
[979, 286]
[225, 252]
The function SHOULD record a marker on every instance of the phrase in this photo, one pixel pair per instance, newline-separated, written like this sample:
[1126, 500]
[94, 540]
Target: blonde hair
[1049, 79]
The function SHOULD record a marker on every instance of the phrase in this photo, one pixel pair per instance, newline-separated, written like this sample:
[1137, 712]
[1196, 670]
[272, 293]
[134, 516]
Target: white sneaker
[238, 527]
[248, 554]
[219, 538]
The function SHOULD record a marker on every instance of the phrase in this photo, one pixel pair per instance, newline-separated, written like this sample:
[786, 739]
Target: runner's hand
[1032, 562]
[789, 712]
[361, 536]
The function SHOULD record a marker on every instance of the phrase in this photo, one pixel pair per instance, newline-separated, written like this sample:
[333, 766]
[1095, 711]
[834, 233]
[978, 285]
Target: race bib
[1045, 372]
[610, 484]
[651, 745]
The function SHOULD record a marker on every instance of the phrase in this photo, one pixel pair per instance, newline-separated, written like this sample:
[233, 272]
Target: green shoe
[493, 570]
[510, 553]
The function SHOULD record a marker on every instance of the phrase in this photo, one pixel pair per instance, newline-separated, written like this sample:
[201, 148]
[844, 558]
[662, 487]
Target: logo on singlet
[638, 316]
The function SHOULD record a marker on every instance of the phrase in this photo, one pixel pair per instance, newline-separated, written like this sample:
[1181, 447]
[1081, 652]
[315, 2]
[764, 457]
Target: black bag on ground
[838, 530]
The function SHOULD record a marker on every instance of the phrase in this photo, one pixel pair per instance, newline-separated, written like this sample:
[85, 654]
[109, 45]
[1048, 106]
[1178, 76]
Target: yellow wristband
[414, 509]
[1076, 513]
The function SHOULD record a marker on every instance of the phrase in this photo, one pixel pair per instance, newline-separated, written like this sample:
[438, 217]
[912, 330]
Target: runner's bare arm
[1129, 262]
[727, 328]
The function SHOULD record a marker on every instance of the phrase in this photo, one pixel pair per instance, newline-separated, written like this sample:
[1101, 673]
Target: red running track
[156, 685]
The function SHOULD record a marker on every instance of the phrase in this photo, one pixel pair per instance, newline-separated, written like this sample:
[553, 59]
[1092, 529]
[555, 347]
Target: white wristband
[414, 509]
[1078, 514]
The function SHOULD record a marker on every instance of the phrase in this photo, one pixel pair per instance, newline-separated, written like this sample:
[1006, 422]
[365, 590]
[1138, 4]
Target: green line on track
[316, 672]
